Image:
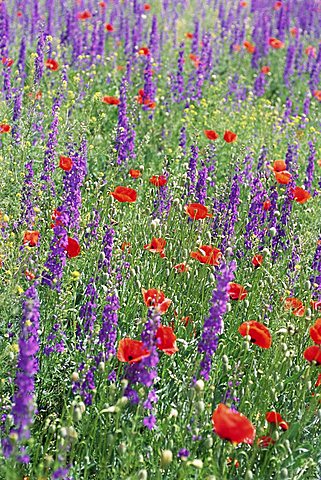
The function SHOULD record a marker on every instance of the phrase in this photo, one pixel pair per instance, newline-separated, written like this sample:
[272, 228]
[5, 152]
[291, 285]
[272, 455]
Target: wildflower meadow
[160, 240]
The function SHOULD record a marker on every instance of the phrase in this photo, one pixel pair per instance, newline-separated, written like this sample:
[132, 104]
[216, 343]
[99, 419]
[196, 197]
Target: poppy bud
[197, 463]
[110, 439]
[63, 432]
[101, 366]
[284, 347]
[248, 475]
[200, 406]
[121, 402]
[124, 383]
[208, 443]
[173, 413]
[199, 385]
[82, 407]
[225, 359]
[77, 414]
[142, 475]
[122, 448]
[229, 251]
[75, 377]
[284, 474]
[166, 458]
[273, 231]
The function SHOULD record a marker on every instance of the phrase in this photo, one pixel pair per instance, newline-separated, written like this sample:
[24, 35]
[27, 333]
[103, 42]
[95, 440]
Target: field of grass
[160, 240]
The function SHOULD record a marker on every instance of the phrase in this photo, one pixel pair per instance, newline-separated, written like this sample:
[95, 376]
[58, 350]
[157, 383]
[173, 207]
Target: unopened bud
[166, 458]
[199, 385]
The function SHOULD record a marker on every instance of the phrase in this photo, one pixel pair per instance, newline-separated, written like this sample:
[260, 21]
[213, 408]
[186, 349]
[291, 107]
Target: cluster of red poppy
[7, 62]
[229, 136]
[143, 100]
[31, 238]
[133, 351]
[235, 427]
[313, 353]
[282, 176]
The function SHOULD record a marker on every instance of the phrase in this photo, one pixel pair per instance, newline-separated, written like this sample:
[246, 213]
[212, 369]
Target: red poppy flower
[257, 260]
[276, 418]
[156, 299]
[30, 275]
[236, 47]
[260, 335]
[4, 128]
[109, 27]
[230, 137]
[318, 382]
[315, 331]
[265, 441]
[131, 351]
[313, 354]
[317, 94]
[315, 304]
[55, 216]
[134, 173]
[166, 340]
[102, 4]
[243, 4]
[311, 51]
[275, 43]
[52, 64]
[267, 205]
[31, 238]
[196, 211]
[158, 180]
[65, 163]
[279, 166]
[7, 62]
[193, 57]
[300, 195]
[232, 425]
[249, 47]
[181, 267]
[72, 248]
[84, 15]
[236, 291]
[294, 31]
[189, 35]
[277, 5]
[284, 178]
[111, 100]
[19, 13]
[146, 7]
[265, 70]
[208, 255]
[157, 245]
[124, 194]
[143, 51]
[295, 305]
[211, 134]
